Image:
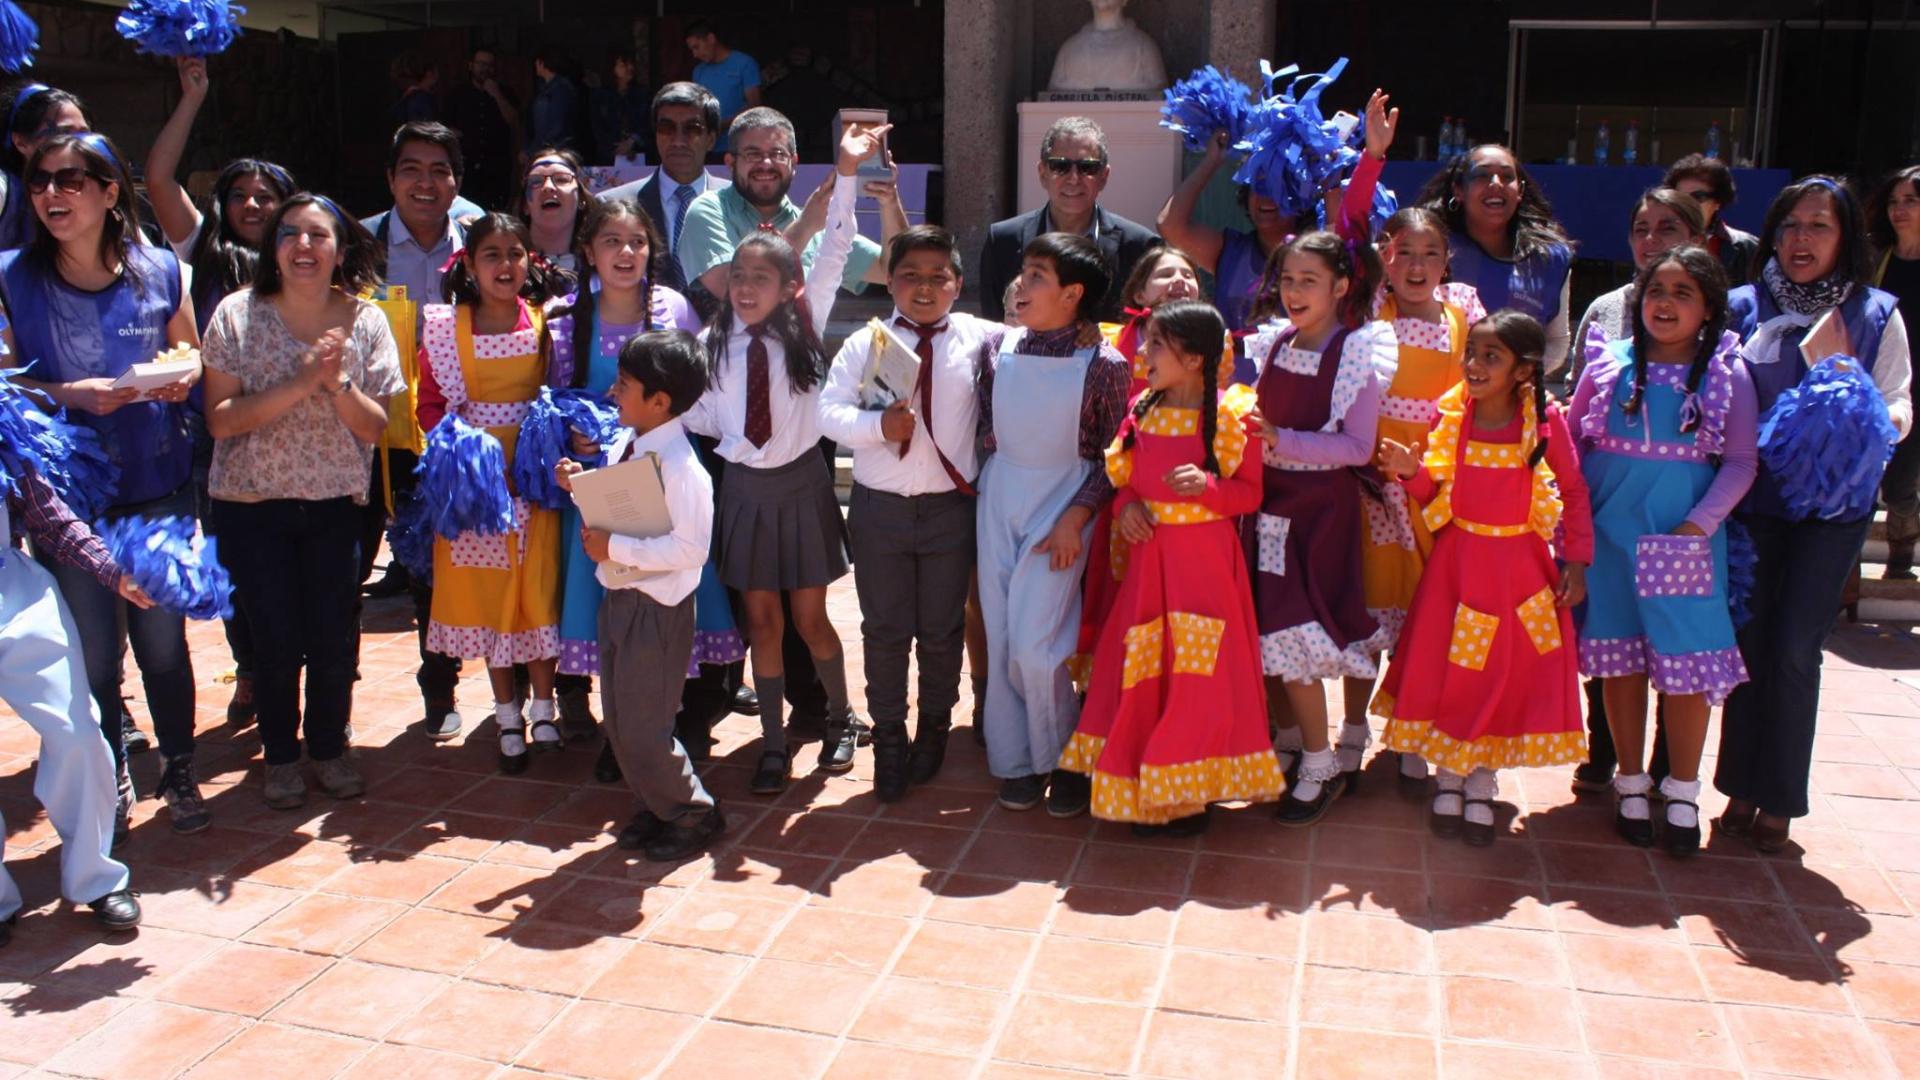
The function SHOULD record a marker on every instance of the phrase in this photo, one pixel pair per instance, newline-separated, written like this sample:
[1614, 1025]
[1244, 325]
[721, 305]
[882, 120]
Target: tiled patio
[456, 923]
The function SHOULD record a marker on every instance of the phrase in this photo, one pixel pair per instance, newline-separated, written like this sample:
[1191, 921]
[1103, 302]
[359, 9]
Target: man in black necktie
[686, 124]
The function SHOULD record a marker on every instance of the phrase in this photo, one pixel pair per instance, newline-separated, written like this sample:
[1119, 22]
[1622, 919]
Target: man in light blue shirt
[734, 77]
[422, 231]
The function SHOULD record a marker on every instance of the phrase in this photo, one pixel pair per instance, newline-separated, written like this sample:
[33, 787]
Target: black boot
[838, 743]
[891, 772]
[929, 747]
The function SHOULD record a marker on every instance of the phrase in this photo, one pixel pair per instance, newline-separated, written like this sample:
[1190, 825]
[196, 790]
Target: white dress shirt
[672, 562]
[877, 463]
[721, 412]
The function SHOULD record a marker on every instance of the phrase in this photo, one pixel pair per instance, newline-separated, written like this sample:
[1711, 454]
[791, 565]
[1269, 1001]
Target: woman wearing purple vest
[1814, 256]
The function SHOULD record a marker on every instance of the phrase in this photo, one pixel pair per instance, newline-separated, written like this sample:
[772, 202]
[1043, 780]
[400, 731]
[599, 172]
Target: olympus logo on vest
[138, 331]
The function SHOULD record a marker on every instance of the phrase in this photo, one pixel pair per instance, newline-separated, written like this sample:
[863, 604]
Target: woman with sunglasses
[298, 375]
[1815, 258]
[35, 113]
[88, 300]
[550, 194]
[1507, 244]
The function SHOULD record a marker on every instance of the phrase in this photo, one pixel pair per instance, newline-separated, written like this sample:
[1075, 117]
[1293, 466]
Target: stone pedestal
[1145, 156]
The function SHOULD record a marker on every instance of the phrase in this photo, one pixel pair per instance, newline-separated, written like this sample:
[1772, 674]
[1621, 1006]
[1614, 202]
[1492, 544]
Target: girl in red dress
[1176, 716]
[1485, 676]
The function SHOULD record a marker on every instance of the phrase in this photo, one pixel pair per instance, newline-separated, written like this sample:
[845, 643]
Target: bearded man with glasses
[1074, 167]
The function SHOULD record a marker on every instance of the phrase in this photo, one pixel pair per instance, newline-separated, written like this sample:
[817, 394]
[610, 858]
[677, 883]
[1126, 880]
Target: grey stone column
[1239, 33]
[981, 85]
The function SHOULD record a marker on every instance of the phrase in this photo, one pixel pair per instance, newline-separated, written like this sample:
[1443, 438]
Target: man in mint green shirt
[761, 158]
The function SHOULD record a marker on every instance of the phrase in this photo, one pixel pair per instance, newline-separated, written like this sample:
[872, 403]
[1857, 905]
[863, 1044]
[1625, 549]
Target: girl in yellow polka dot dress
[1485, 676]
[1176, 716]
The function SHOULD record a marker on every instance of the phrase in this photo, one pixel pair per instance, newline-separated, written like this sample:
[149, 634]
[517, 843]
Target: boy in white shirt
[911, 513]
[646, 621]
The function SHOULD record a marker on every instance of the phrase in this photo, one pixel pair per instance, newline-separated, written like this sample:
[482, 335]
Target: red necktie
[925, 380]
[759, 390]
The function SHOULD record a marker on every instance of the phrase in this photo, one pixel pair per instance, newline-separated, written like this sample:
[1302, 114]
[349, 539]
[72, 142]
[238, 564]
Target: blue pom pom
[163, 559]
[1740, 572]
[546, 438]
[19, 38]
[1827, 440]
[463, 480]
[70, 458]
[410, 538]
[180, 27]
[1205, 102]
[1294, 153]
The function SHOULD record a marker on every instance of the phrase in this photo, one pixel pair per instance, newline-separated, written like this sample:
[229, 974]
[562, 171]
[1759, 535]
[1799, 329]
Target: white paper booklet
[892, 369]
[628, 499]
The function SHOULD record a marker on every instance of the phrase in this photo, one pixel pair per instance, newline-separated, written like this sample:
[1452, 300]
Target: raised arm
[1176, 224]
[836, 244]
[171, 206]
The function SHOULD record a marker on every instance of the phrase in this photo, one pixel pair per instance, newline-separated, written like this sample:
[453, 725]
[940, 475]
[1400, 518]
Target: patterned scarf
[1810, 299]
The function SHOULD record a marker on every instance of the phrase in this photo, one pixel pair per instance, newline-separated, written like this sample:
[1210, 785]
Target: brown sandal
[1736, 820]
[1768, 839]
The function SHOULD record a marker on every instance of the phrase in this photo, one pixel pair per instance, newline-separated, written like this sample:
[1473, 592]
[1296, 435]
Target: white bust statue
[1109, 53]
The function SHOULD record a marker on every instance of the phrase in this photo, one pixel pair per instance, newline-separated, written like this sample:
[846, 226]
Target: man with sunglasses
[1074, 167]
[686, 124]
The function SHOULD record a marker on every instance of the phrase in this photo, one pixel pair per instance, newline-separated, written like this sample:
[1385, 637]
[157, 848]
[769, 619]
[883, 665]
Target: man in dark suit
[686, 124]
[1073, 170]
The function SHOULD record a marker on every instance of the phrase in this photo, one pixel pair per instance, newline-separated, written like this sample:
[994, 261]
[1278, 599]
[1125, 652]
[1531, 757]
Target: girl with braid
[1484, 677]
[1666, 426]
[1175, 715]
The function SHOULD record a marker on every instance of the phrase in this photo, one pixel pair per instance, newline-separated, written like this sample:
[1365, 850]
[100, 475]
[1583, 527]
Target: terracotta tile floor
[456, 923]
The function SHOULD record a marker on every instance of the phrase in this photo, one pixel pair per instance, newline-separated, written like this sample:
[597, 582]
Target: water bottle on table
[1602, 143]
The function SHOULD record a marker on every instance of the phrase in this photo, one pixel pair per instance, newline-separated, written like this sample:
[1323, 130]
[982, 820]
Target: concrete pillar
[1239, 34]
[981, 83]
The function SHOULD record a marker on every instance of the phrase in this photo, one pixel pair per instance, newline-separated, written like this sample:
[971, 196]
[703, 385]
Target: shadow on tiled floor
[456, 923]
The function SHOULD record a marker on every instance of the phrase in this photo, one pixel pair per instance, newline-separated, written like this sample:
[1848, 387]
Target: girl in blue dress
[1666, 424]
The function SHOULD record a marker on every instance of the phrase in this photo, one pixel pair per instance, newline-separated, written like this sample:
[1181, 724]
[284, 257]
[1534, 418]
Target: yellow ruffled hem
[1164, 793]
[1491, 752]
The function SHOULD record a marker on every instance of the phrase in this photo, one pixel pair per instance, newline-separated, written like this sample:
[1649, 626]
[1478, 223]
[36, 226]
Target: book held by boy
[628, 499]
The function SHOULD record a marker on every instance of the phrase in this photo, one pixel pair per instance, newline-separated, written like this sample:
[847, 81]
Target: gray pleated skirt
[780, 528]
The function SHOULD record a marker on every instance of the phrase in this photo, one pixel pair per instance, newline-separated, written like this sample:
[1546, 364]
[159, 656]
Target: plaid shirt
[56, 533]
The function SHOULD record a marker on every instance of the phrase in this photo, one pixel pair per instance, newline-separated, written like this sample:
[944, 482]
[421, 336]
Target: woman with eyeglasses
[88, 301]
[1815, 258]
[551, 191]
[299, 370]
[1507, 244]
[35, 113]
[221, 247]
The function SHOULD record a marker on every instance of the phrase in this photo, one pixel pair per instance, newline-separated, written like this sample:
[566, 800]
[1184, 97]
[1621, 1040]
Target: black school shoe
[1639, 832]
[1682, 841]
[1177, 829]
[131, 737]
[1022, 792]
[929, 748]
[679, 839]
[641, 831]
[1068, 793]
[837, 745]
[1298, 813]
[770, 777]
[607, 768]
[746, 702]
[1445, 826]
[892, 765]
[1474, 833]
[117, 911]
[1592, 778]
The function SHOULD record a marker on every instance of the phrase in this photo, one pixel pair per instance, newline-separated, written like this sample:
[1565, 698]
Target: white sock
[1287, 746]
[542, 709]
[1637, 784]
[1685, 816]
[1481, 784]
[1316, 768]
[513, 730]
[1353, 744]
[1447, 802]
[1413, 765]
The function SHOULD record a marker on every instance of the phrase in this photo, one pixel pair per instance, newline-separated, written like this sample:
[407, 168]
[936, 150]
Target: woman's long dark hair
[1358, 265]
[1532, 228]
[121, 229]
[1193, 328]
[460, 286]
[598, 216]
[357, 260]
[1879, 227]
[1526, 339]
[219, 255]
[27, 107]
[1855, 261]
[1699, 264]
[789, 323]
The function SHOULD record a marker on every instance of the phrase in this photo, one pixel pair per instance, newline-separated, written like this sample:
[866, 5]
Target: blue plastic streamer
[70, 458]
[546, 438]
[19, 38]
[1294, 153]
[1204, 102]
[410, 538]
[163, 559]
[1741, 558]
[180, 27]
[1827, 440]
[463, 480]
